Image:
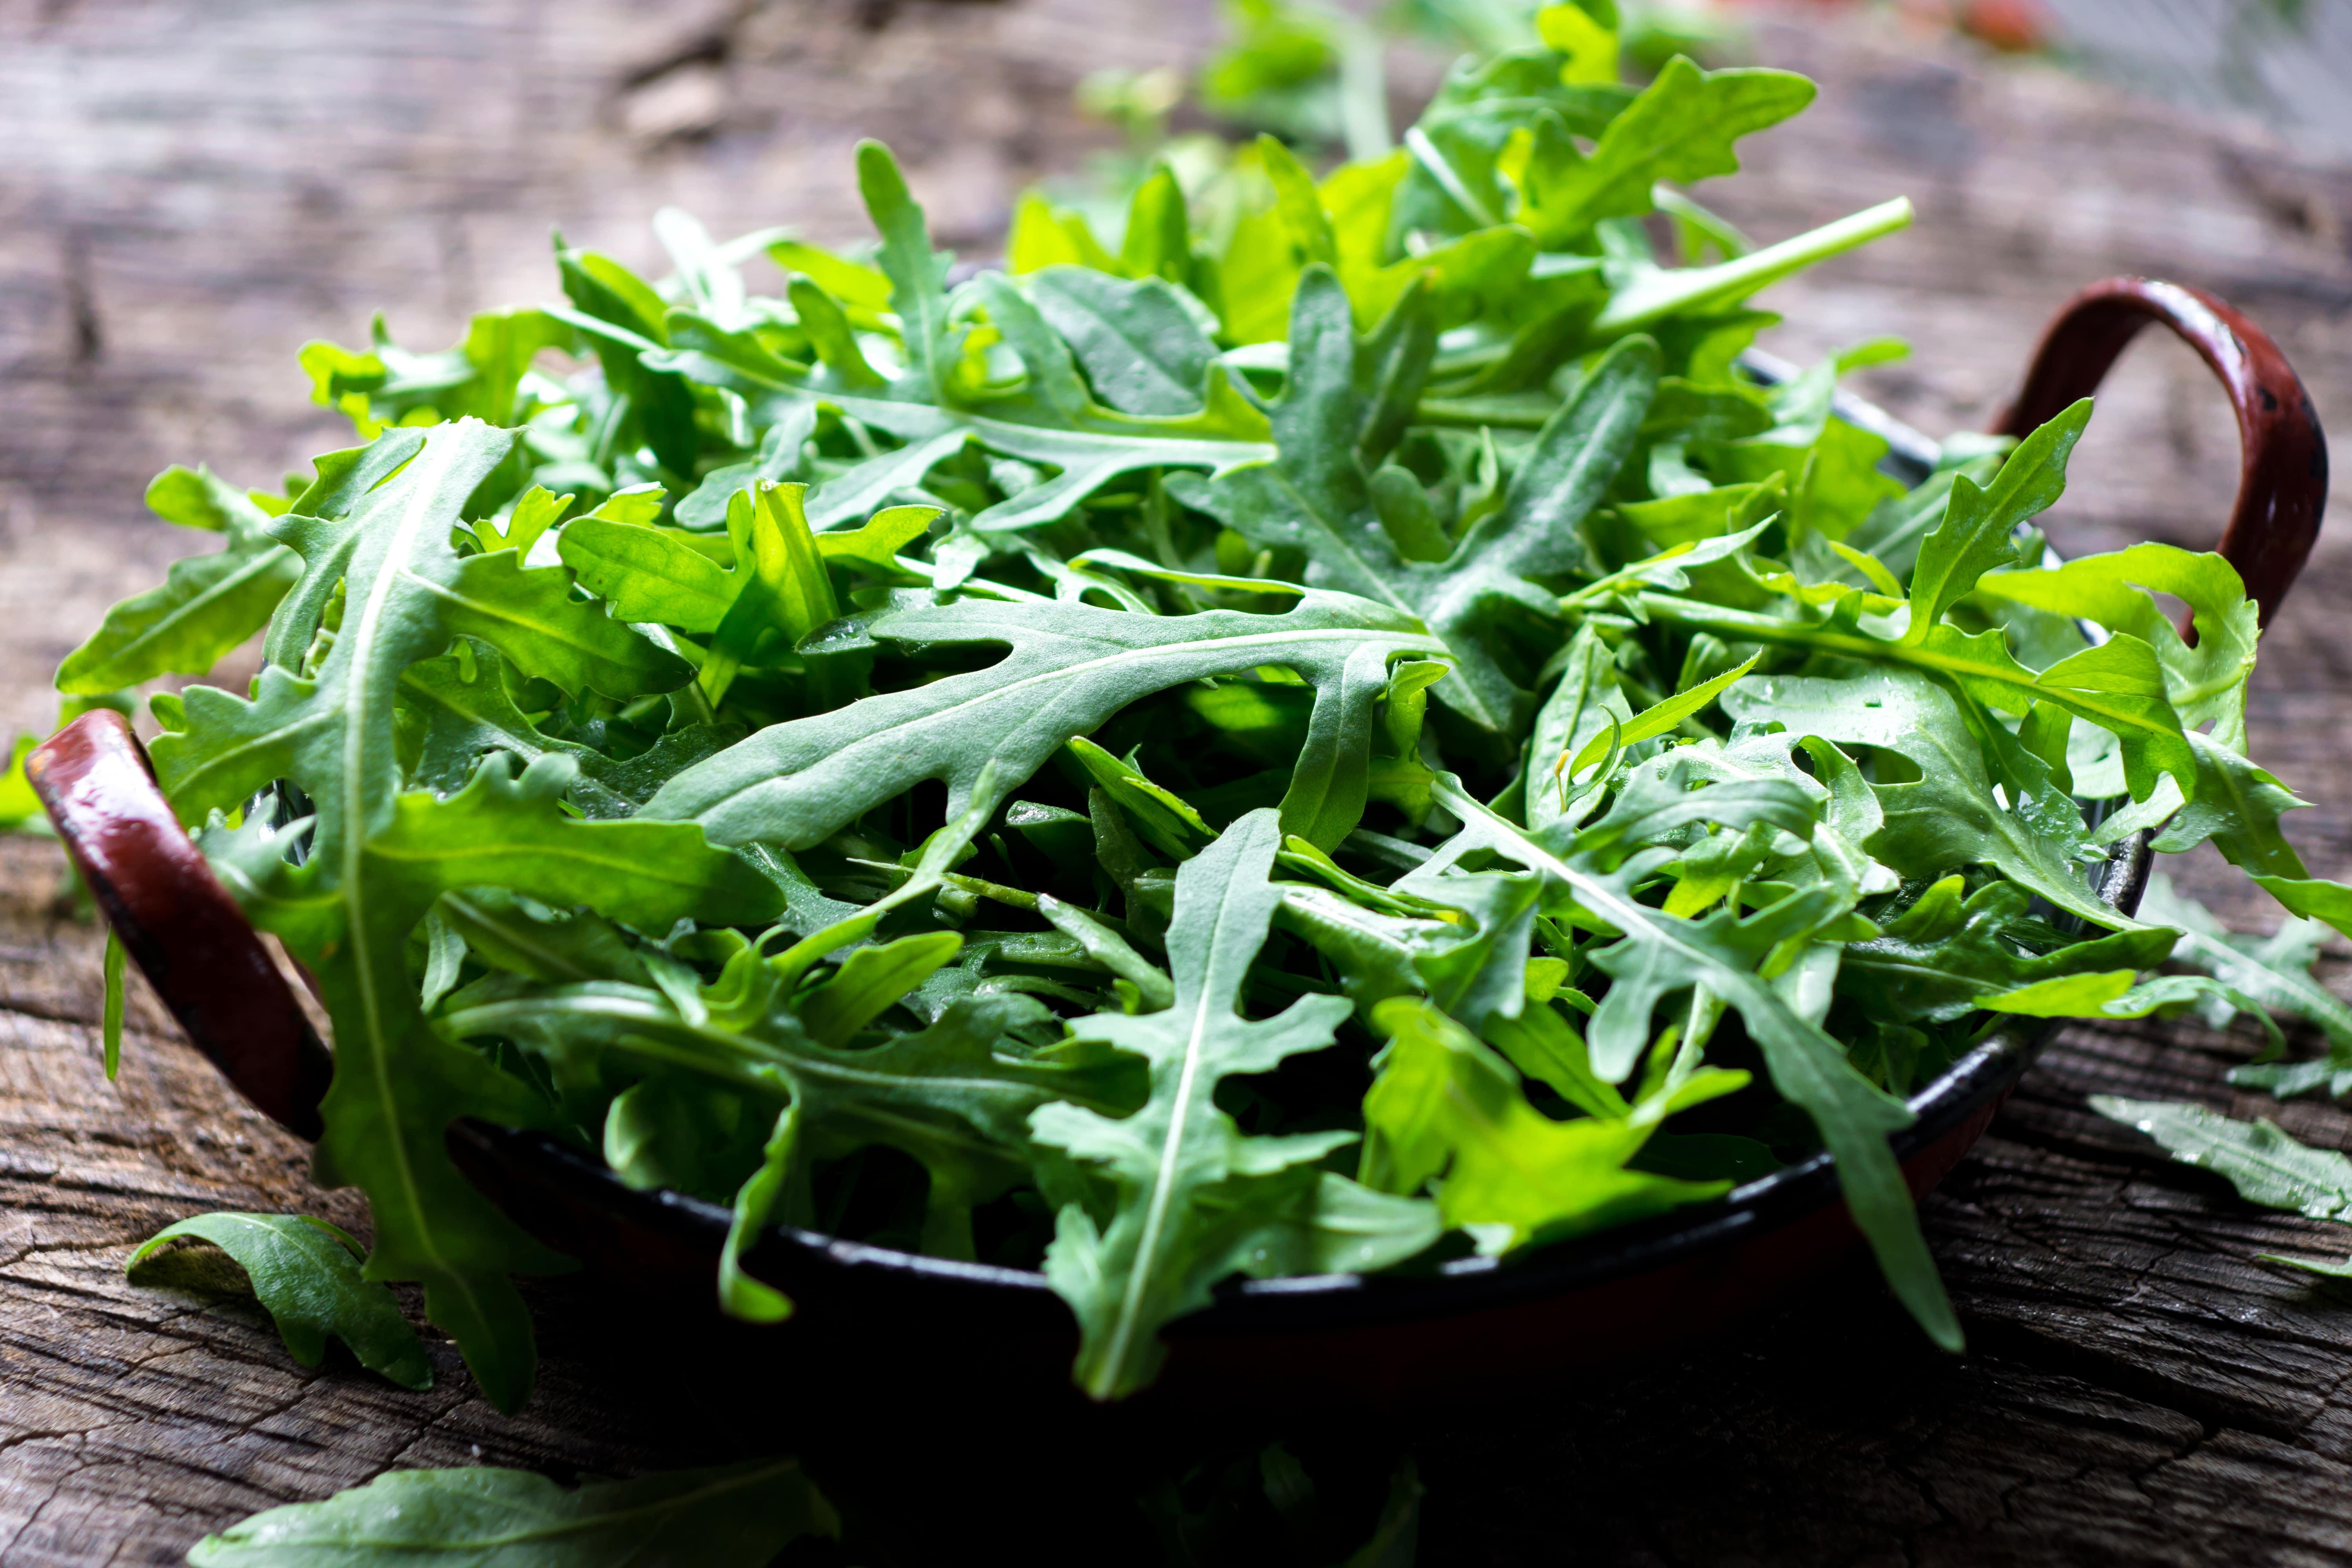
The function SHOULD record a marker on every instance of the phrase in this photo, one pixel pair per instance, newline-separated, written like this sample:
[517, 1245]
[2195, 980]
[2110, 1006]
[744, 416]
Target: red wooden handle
[176, 920]
[2282, 455]
[190, 939]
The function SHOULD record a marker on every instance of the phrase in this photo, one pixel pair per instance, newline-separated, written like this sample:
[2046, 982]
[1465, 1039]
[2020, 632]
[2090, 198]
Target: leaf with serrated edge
[1071, 667]
[1317, 496]
[306, 1274]
[1191, 1190]
[398, 1084]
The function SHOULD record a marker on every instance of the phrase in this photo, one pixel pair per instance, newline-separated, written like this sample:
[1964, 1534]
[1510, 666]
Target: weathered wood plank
[194, 190]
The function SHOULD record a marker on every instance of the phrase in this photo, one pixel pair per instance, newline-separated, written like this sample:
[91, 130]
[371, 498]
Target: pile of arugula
[1340, 730]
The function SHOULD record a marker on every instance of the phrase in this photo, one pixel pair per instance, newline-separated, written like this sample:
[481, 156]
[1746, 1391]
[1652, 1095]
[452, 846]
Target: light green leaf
[397, 1083]
[1948, 815]
[869, 980]
[1140, 349]
[1052, 422]
[1938, 962]
[1660, 952]
[1975, 534]
[407, 592]
[1446, 1108]
[207, 605]
[918, 274]
[1662, 717]
[1681, 129]
[2271, 973]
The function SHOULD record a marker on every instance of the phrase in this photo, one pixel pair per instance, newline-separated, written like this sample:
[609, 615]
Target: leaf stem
[1684, 290]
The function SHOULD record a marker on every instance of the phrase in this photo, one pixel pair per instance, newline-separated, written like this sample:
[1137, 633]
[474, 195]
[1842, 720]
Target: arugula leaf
[1446, 1105]
[2271, 975]
[1979, 529]
[397, 1083]
[1142, 351]
[1681, 128]
[1938, 962]
[407, 592]
[1317, 496]
[2263, 1163]
[1155, 537]
[1658, 953]
[1195, 1199]
[207, 605]
[2112, 995]
[735, 1516]
[460, 702]
[480, 377]
[1071, 667]
[306, 1273]
[1054, 420]
[1948, 815]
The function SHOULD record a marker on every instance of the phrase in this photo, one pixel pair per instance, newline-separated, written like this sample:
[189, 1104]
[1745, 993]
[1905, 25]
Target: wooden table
[193, 189]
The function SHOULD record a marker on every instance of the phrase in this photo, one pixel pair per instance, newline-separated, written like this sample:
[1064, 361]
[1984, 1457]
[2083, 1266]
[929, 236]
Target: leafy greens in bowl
[1342, 732]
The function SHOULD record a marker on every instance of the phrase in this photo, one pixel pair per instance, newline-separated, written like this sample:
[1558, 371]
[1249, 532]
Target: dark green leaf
[738, 1516]
[307, 1276]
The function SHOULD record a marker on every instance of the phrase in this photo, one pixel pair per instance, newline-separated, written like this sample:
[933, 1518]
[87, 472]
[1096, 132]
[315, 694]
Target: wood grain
[193, 188]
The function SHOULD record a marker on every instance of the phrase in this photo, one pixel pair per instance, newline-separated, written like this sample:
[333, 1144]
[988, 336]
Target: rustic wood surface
[193, 188]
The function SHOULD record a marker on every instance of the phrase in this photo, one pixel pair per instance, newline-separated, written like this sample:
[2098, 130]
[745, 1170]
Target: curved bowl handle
[176, 921]
[2282, 455]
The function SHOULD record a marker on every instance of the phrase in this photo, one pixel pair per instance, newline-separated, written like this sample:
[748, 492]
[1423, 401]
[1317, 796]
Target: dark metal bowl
[1468, 1325]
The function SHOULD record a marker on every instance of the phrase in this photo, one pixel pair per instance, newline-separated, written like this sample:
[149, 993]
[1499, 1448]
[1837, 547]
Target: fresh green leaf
[2264, 1164]
[1316, 497]
[397, 1083]
[1196, 1199]
[1070, 667]
[1445, 1106]
[207, 605]
[306, 1274]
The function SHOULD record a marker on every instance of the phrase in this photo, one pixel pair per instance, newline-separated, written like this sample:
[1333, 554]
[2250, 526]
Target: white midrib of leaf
[1168, 447]
[1140, 1278]
[1155, 1216]
[418, 515]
